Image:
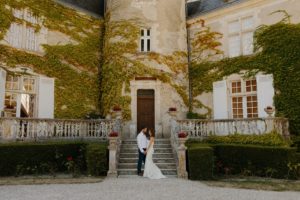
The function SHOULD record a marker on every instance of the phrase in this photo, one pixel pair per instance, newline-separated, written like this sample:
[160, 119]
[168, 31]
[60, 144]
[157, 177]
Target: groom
[142, 145]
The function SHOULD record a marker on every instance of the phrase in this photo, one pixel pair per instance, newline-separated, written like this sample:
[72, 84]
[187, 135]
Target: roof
[93, 7]
[199, 7]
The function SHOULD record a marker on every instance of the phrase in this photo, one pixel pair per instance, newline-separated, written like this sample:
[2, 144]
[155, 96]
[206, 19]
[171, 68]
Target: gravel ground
[137, 188]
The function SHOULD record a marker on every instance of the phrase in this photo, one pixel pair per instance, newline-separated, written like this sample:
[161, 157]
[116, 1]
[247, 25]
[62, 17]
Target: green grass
[255, 183]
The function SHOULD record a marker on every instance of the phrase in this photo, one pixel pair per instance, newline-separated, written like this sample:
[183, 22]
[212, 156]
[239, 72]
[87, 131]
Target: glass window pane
[234, 46]
[234, 27]
[247, 23]
[247, 40]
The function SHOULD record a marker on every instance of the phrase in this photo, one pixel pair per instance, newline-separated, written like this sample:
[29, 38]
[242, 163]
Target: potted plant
[182, 138]
[269, 110]
[117, 110]
[182, 134]
[113, 134]
[173, 111]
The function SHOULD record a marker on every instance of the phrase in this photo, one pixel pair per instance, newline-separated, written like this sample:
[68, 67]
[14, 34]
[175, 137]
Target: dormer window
[145, 43]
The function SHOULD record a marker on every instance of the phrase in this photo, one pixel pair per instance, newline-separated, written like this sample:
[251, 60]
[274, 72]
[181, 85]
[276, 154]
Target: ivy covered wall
[74, 66]
[277, 49]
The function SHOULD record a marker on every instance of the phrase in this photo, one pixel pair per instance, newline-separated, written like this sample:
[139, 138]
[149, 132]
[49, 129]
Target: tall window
[240, 36]
[20, 93]
[145, 43]
[244, 99]
[22, 34]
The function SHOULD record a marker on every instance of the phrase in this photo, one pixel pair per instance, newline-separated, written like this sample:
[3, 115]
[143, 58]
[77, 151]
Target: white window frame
[144, 38]
[21, 91]
[244, 94]
[240, 35]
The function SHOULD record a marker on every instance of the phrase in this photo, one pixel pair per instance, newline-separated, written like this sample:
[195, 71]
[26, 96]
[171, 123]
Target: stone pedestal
[113, 160]
[182, 173]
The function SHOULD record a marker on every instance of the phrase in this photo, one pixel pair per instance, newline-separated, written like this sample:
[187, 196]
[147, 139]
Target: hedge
[96, 159]
[268, 139]
[254, 160]
[47, 158]
[233, 159]
[200, 162]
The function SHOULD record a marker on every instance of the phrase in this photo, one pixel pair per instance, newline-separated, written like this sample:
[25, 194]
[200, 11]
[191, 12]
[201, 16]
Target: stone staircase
[163, 157]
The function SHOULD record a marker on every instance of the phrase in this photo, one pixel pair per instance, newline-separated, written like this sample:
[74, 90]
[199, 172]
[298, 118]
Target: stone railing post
[113, 158]
[181, 153]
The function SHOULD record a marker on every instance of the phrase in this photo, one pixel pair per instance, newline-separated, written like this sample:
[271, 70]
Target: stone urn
[172, 112]
[269, 110]
[117, 112]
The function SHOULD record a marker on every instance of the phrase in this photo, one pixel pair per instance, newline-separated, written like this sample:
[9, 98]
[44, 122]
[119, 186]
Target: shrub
[96, 158]
[42, 158]
[192, 115]
[254, 160]
[296, 142]
[269, 139]
[200, 162]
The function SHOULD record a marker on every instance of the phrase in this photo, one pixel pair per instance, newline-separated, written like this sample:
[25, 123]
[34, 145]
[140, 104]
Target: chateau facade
[60, 79]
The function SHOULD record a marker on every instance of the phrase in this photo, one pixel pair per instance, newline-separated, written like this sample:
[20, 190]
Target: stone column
[181, 153]
[113, 161]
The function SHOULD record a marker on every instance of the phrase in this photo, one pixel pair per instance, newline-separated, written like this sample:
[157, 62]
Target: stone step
[134, 171]
[157, 150]
[157, 141]
[155, 160]
[155, 155]
[134, 165]
[136, 176]
[134, 146]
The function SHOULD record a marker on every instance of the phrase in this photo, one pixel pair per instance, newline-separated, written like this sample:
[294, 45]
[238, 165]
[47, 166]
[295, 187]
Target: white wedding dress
[151, 170]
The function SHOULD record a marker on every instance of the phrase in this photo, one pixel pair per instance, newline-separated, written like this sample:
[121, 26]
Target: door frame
[155, 85]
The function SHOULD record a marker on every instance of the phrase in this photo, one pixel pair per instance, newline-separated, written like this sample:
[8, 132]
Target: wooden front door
[145, 109]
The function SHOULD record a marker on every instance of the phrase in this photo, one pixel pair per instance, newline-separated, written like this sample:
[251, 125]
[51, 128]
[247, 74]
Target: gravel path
[137, 188]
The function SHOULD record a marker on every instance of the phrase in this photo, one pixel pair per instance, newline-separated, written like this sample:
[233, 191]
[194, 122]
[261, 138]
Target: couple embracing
[146, 151]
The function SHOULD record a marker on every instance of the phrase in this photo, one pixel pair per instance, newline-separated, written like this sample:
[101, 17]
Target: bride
[151, 170]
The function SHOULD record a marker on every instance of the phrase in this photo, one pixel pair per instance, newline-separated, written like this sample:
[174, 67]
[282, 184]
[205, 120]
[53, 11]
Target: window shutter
[220, 100]
[2, 88]
[265, 93]
[46, 98]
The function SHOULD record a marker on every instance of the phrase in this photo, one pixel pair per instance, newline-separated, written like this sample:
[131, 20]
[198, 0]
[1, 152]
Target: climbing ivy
[277, 52]
[122, 63]
[74, 66]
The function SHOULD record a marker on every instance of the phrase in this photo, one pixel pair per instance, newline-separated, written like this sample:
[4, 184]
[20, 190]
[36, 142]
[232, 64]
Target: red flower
[113, 134]
[69, 158]
[182, 135]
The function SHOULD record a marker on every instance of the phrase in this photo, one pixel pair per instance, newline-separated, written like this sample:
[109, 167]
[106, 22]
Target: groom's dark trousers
[142, 158]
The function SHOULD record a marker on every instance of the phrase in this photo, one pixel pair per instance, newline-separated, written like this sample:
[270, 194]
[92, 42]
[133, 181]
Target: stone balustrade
[203, 128]
[199, 129]
[21, 129]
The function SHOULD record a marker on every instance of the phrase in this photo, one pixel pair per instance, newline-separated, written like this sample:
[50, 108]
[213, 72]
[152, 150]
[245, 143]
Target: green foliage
[278, 53]
[241, 159]
[96, 159]
[45, 158]
[255, 160]
[296, 142]
[74, 66]
[200, 162]
[269, 139]
[122, 63]
[192, 115]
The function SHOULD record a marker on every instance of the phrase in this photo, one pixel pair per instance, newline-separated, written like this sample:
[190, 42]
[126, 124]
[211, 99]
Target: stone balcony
[203, 128]
[28, 129]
